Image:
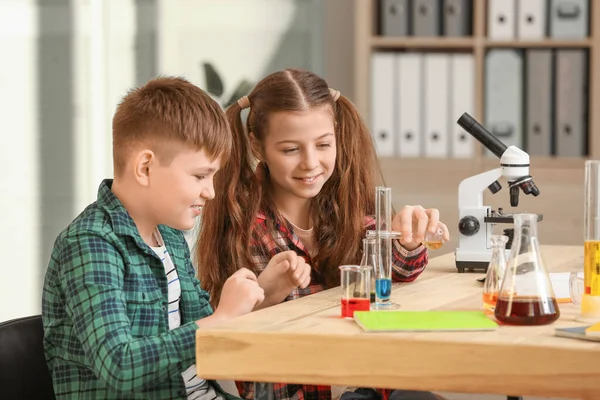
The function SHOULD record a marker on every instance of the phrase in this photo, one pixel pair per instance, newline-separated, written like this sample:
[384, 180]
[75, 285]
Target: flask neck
[498, 246]
[525, 224]
[368, 246]
[526, 232]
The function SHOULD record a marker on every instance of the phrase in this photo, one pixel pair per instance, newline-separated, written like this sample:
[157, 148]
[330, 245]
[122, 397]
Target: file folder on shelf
[394, 17]
[426, 17]
[571, 78]
[503, 95]
[569, 19]
[409, 92]
[462, 93]
[539, 98]
[531, 19]
[457, 17]
[436, 118]
[383, 102]
[501, 19]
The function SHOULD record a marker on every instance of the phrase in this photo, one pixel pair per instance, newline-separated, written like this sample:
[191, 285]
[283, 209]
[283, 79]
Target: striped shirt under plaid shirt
[105, 309]
[407, 266]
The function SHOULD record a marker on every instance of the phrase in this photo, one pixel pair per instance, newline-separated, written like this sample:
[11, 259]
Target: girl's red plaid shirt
[265, 243]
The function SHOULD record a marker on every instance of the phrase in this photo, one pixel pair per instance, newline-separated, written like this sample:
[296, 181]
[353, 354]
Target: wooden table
[305, 341]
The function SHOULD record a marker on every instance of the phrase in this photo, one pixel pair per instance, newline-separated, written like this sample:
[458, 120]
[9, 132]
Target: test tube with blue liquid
[383, 229]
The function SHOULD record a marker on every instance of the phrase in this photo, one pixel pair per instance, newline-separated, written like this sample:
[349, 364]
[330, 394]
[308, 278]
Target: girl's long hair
[338, 211]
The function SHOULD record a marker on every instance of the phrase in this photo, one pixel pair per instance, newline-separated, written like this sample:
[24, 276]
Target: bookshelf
[367, 41]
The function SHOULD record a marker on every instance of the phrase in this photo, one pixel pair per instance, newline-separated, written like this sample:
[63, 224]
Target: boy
[121, 303]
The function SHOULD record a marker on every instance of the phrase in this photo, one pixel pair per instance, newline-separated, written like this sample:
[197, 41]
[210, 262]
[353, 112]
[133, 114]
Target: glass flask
[495, 272]
[526, 296]
[368, 261]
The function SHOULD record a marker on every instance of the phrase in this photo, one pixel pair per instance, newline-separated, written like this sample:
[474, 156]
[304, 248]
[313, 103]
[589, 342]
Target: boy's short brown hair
[167, 110]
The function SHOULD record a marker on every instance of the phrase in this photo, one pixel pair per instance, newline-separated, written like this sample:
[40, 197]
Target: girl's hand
[416, 223]
[285, 272]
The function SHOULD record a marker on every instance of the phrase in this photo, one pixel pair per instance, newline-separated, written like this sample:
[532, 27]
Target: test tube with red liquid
[356, 289]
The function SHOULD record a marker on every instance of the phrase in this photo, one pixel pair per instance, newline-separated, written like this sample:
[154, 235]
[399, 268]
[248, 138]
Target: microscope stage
[504, 219]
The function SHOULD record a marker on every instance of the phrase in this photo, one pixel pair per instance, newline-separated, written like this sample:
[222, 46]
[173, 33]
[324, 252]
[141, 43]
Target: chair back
[24, 373]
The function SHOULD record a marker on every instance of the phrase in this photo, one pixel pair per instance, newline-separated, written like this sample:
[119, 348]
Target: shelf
[439, 42]
[367, 41]
[484, 163]
[546, 43]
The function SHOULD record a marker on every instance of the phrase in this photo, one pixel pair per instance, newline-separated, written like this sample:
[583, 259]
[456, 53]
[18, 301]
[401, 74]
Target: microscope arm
[470, 190]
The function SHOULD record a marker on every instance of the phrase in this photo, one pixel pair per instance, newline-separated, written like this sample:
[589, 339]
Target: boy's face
[180, 188]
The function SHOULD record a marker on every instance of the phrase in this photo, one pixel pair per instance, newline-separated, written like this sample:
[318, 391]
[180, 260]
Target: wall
[434, 183]
[68, 64]
[241, 40]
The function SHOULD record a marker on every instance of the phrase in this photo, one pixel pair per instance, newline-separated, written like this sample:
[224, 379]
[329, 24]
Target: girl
[301, 178]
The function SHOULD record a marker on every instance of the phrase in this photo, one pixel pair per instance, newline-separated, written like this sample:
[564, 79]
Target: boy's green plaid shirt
[104, 309]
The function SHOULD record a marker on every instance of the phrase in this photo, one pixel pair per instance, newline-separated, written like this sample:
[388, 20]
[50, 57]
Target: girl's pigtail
[222, 246]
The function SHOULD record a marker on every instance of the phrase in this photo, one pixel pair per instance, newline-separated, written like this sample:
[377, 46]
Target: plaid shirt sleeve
[92, 275]
[407, 265]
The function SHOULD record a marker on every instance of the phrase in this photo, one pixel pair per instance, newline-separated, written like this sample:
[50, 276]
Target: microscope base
[472, 266]
[474, 261]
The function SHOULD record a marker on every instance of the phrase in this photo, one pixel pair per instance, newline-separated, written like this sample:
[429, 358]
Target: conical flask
[526, 296]
[495, 272]
[368, 261]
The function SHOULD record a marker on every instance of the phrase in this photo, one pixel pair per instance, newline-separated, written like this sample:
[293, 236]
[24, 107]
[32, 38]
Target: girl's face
[299, 149]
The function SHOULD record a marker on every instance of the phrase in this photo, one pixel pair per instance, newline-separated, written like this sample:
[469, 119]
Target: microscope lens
[533, 189]
[514, 196]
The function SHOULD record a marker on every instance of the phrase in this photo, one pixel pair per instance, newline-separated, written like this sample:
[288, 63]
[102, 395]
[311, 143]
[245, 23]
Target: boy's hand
[241, 293]
[285, 272]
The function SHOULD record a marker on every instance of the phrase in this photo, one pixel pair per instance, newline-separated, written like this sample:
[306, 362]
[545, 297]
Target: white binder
[501, 19]
[383, 68]
[531, 19]
[409, 92]
[462, 90]
[436, 122]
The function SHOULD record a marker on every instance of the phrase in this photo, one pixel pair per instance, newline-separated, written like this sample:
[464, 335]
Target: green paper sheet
[396, 321]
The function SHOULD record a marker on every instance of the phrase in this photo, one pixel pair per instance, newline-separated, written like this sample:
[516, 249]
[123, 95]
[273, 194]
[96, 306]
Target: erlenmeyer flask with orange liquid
[495, 272]
[526, 296]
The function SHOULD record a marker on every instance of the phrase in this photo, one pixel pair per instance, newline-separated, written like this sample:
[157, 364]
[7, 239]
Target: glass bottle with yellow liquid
[495, 272]
[590, 301]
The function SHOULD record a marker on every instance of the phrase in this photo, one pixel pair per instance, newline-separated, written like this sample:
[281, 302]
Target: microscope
[476, 220]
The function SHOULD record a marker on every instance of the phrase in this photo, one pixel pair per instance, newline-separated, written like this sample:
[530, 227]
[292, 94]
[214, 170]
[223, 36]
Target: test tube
[383, 225]
[590, 301]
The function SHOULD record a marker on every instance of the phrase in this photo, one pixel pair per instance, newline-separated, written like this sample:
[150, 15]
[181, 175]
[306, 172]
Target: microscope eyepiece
[495, 187]
[485, 137]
